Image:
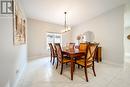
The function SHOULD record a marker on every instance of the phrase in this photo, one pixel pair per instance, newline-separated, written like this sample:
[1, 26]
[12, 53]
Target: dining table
[75, 53]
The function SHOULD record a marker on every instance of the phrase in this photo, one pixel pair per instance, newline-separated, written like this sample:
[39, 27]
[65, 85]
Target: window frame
[54, 35]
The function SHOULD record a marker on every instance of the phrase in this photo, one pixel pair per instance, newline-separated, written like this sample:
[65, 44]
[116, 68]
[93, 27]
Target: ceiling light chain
[67, 28]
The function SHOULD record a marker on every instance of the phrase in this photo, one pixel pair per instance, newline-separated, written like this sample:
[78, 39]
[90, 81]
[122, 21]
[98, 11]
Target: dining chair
[60, 58]
[82, 47]
[88, 61]
[71, 46]
[52, 53]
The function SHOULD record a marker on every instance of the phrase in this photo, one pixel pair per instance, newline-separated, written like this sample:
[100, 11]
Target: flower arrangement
[79, 38]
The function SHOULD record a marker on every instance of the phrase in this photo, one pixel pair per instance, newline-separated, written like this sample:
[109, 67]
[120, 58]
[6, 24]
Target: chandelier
[67, 28]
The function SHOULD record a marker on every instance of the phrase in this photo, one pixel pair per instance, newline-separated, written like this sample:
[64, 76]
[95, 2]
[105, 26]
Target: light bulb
[69, 28]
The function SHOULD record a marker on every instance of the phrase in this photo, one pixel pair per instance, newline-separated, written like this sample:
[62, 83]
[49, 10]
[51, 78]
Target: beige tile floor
[41, 73]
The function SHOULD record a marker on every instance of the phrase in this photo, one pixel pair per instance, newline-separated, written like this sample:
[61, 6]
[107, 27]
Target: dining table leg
[72, 68]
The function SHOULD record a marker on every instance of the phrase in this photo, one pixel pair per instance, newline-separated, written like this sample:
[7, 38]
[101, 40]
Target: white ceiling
[78, 10]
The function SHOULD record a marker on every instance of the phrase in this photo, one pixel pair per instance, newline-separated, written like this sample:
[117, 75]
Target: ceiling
[78, 11]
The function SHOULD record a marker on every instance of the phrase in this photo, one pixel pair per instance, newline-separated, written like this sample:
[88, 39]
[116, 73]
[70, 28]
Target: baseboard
[20, 75]
[113, 63]
[37, 57]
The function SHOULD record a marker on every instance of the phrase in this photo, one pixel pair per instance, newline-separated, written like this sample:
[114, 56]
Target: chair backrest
[58, 51]
[51, 49]
[91, 50]
[82, 47]
[71, 46]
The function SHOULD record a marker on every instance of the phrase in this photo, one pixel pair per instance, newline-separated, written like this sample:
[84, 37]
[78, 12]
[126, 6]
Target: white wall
[12, 58]
[37, 37]
[66, 38]
[109, 32]
[127, 42]
[127, 29]
[127, 15]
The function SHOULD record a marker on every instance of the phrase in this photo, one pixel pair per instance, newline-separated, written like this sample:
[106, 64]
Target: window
[53, 38]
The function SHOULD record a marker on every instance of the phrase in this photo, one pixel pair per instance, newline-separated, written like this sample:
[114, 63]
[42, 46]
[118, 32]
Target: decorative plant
[78, 37]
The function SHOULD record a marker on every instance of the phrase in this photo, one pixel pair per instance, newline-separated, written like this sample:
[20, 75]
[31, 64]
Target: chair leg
[74, 67]
[61, 68]
[57, 64]
[78, 66]
[85, 69]
[53, 60]
[93, 70]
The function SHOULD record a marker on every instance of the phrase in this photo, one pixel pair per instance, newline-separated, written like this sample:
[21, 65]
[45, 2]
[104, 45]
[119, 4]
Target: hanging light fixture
[67, 28]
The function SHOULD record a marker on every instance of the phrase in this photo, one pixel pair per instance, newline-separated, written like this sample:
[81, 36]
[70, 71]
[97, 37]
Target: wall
[66, 38]
[37, 37]
[126, 41]
[127, 29]
[109, 31]
[127, 15]
[12, 58]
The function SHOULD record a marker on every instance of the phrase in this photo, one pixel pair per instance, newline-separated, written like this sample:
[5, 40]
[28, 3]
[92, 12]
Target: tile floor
[41, 73]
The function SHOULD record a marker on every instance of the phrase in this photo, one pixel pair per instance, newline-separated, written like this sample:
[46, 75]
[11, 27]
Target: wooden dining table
[73, 54]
